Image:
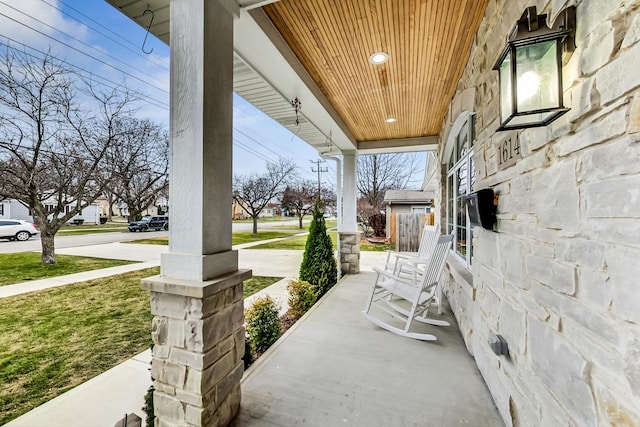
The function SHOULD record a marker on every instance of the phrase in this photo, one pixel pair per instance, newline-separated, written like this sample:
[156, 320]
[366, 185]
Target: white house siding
[12, 209]
[560, 277]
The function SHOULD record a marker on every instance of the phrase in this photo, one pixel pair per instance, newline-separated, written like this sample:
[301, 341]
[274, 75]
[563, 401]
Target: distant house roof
[408, 196]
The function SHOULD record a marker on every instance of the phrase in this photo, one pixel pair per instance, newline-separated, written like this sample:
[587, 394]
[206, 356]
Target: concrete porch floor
[336, 368]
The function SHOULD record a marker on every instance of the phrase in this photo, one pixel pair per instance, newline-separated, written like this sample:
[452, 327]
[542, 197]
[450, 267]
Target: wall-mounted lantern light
[530, 70]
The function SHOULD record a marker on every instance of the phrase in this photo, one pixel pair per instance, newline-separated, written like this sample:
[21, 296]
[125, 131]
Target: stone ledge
[190, 288]
[459, 273]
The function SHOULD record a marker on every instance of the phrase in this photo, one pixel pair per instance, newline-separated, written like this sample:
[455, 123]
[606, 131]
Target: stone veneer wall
[198, 337]
[349, 252]
[560, 279]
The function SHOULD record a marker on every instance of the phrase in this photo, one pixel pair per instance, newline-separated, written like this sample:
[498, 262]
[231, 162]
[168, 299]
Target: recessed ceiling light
[391, 120]
[378, 58]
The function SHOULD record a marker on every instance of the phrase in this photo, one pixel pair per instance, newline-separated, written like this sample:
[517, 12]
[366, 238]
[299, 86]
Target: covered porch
[336, 368]
[553, 276]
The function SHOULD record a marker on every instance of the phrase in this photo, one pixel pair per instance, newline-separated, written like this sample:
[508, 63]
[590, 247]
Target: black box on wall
[482, 208]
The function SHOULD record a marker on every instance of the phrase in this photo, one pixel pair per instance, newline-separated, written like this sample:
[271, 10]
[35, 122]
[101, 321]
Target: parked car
[16, 229]
[160, 222]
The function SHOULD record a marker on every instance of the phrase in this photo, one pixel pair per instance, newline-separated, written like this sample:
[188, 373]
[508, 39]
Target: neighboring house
[121, 209]
[237, 212]
[407, 201]
[13, 209]
[270, 210]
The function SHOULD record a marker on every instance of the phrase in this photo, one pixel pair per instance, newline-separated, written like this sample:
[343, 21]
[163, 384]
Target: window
[418, 210]
[1, 209]
[461, 176]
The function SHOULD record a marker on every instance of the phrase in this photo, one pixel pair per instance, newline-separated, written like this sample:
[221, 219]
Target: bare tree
[299, 198]
[53, 138]
[378, 173]
[254, 191]
[139, 162]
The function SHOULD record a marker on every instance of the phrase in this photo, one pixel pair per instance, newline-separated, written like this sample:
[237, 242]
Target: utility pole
[319, 170]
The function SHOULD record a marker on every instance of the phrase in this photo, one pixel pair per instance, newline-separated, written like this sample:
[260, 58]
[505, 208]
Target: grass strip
[56, 339]
[80, 231]
[237, 238]
[23, 266]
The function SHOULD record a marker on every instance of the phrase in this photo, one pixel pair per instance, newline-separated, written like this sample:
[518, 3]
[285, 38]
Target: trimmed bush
[319, 265]
[302, 296]
[148, 407]
[262, 323]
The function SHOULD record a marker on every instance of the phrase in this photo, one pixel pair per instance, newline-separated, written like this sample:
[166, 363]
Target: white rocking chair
[391, 291]
[428, 239]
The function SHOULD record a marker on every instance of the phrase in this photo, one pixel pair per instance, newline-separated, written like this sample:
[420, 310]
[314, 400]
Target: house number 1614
[508, 150]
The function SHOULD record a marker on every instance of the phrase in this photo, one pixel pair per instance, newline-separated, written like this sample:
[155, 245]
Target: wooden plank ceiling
[427, 42]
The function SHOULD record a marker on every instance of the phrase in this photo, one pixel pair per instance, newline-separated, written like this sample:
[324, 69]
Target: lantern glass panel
[519, 121]
[537, 76]
[506, 106]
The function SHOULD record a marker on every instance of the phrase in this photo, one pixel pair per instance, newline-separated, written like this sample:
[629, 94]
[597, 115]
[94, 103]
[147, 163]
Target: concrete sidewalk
[105, 399]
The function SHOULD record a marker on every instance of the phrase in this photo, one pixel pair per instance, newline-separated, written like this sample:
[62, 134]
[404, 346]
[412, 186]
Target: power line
[79, 41]
[319, 170]
[89, 74]
[84, 53]
[137, 51]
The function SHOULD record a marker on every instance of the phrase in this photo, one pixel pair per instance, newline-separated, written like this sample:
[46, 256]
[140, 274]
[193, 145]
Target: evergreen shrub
[319, 265]
[302, 296]
[262, 323]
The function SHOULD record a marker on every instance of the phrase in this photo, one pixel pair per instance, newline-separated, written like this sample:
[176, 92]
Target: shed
[406, 201]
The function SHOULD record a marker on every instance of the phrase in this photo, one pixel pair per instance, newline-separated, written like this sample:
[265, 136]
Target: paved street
[67, 241]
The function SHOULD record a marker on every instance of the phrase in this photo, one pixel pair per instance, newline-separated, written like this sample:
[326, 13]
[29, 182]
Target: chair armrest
[415, 261]
[389, 275]
[401, 254]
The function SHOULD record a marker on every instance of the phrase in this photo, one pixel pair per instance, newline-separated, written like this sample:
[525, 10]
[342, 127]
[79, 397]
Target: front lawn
[20, 267]
[237, 238]
[53, 340]
[295, 243]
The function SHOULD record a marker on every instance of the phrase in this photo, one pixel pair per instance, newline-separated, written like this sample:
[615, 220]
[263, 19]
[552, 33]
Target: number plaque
[508, 150]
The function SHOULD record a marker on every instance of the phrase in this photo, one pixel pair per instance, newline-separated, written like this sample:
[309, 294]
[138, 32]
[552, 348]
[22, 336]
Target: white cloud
[26, 13]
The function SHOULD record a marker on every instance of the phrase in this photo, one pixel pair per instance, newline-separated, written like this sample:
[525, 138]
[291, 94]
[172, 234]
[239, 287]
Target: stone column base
[198, 337]
[349, 252]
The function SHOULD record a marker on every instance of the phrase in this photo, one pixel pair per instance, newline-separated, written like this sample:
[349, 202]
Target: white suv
[15, 229]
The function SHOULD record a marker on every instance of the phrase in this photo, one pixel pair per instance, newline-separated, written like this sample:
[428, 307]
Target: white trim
[453, 135]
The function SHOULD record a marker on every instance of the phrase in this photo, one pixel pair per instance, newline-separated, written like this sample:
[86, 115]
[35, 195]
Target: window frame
[460, 158]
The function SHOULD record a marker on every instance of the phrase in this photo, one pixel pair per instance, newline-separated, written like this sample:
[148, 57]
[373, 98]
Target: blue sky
[97, 39]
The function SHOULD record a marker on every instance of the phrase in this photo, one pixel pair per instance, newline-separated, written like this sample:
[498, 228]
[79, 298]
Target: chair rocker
[393, 294]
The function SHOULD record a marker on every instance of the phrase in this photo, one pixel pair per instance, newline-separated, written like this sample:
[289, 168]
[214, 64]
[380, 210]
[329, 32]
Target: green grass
[241, 237]
[151, 241]
[330, 223]
[76, 230]
[295, 243]
[258, 283]
[20, 267]
[79, 231]
[53, 340]
[237, 238]
[298, 243]
[376, 247]
[263, 220]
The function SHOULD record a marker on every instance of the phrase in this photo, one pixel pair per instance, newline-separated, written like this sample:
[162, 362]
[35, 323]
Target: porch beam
[425, 143]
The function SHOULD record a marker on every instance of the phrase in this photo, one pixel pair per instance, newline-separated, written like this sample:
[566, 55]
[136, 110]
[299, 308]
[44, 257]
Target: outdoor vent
[482, 208]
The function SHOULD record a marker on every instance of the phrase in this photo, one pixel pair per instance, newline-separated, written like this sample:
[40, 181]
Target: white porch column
[348, 230]
[197, 302]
